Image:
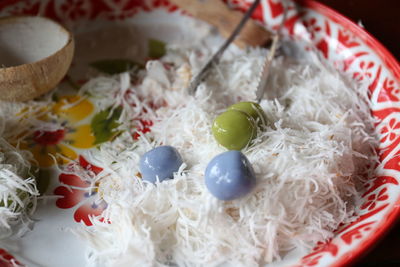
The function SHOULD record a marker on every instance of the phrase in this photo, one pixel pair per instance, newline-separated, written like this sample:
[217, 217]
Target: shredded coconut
[18, 193]
[309, 162]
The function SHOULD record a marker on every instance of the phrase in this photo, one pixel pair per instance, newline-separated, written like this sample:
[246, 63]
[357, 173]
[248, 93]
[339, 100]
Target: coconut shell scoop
[35, 54]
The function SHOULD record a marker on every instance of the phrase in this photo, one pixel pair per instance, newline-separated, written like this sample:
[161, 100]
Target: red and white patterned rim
[344, 44]
[7, 260]
[372, 61]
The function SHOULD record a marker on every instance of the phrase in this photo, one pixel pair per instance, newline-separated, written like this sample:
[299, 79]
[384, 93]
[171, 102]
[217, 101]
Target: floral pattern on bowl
[340, 41]
[75, 191]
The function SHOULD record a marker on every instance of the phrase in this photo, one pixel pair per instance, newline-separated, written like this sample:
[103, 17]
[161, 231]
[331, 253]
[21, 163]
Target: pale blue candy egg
[230, 175]
[160, 163]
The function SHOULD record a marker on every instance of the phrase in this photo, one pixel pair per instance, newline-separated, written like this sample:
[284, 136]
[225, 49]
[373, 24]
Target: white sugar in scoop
[35, 54]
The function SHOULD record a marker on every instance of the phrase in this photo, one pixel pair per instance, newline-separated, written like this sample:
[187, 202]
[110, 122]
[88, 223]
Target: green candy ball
[234, 129]
[252, 109]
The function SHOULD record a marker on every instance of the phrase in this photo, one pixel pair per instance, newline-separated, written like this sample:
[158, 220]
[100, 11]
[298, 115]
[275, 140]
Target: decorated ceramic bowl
[343, 43]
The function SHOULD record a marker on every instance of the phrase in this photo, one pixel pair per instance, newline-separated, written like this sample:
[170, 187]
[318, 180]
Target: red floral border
[75, 192]
[384, 225]
[8, 260]
[369, 60]
[384, 54]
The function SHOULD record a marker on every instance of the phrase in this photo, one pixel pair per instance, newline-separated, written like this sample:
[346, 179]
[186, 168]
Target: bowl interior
[341, 42]
[29, 39]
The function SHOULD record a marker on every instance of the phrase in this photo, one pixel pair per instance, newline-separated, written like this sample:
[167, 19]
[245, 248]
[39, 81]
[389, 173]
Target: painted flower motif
[373, 184]
[326, 246]
[312, 27]
[390, 91]
[75, 9]
[59, 143]
[390, 131]
[357, 233]
[144, 126]
[374, 198]
[141, 125]
[365, 71]
[77, 192]
[7, 260]
[311, 261]
[346, 40]
[319, 250]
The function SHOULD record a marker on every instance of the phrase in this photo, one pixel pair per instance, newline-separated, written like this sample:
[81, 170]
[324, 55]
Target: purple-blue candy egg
[230, 175]
[160, 163]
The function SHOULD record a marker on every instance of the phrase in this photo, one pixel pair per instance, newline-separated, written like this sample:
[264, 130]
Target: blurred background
[381, 18]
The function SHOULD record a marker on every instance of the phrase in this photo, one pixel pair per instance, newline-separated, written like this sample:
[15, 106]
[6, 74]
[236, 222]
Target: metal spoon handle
[266, 67]
[217, 56]
[263, 79]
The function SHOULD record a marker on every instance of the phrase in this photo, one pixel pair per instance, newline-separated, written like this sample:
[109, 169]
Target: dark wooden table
[381, 18]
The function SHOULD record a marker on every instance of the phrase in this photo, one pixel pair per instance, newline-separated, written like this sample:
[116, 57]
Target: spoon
[35, 54]
[214, 60]
[263, 78]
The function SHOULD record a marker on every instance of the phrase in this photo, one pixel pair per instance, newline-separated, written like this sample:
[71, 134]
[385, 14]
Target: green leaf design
[156, 48]
[115, 66]
[103, 124]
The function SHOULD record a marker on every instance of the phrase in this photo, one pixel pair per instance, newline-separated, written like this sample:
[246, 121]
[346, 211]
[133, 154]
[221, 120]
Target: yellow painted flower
[58, 144]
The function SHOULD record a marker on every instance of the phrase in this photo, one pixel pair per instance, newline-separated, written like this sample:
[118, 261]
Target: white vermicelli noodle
[18, 192]
[309, 162]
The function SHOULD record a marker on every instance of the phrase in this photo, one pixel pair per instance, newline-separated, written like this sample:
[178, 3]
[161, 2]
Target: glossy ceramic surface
[343, 43]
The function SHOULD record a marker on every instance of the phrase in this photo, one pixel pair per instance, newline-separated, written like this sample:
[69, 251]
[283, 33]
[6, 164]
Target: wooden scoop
[218, 14]
[35, 54]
